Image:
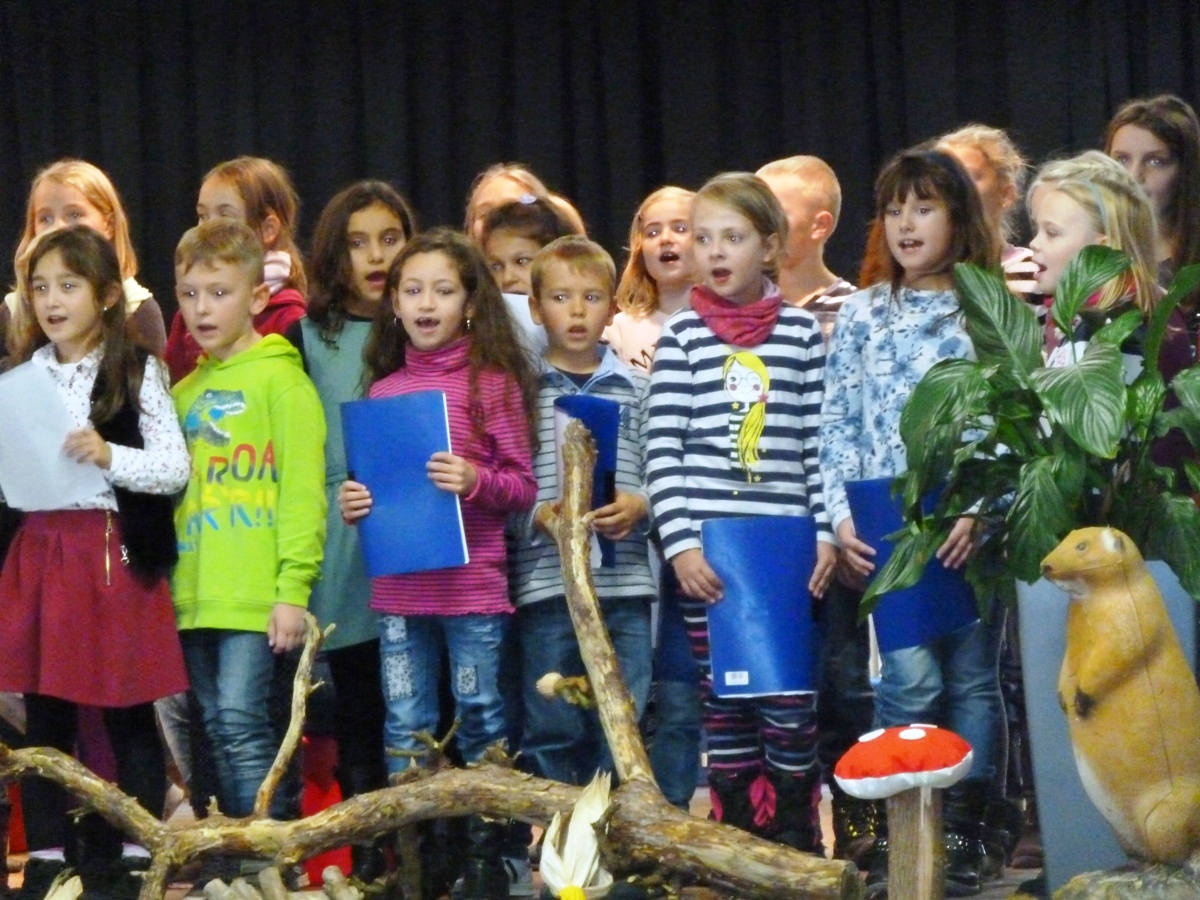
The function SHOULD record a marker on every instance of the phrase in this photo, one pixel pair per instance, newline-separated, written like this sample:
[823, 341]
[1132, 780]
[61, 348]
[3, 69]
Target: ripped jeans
[410, 650]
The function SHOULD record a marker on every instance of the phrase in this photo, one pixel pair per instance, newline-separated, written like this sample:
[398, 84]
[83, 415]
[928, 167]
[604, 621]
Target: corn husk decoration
[70, 888]
[571, 854]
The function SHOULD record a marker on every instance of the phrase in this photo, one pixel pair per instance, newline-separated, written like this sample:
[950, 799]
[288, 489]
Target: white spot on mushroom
[871, 735]
[912, 734]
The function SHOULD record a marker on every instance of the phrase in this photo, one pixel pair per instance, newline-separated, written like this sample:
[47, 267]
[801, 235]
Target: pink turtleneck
[503, 458]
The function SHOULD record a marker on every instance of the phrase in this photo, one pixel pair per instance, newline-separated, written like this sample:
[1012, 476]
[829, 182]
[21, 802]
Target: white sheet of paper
[35, 473]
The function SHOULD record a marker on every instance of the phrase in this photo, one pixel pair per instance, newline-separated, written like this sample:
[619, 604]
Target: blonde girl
[74, 192]
[658, 276]
[998, 170]
[757, 456]
[258, 192]
[495, 186]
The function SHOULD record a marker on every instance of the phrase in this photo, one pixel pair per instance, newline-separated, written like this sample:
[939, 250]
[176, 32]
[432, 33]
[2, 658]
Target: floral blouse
[163, 465]
[882, 347]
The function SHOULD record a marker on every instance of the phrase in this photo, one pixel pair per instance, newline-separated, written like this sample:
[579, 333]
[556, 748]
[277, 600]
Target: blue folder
[762, 637]
[413, 526]
[603, 419]
[940, 603]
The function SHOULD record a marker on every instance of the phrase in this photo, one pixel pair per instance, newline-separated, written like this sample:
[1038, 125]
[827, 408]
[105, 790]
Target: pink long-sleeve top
[503, 458]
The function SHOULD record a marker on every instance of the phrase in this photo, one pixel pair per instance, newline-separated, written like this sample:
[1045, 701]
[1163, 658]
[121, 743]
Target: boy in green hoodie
[251, 525]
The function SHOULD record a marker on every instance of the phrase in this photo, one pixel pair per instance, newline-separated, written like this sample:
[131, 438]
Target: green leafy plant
[1034, 452]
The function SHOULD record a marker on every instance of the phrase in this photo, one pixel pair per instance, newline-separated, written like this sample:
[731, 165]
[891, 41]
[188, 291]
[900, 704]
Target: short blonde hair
[99, 191]
[819, 181]
[221, 241]
[1001, 154]
[578, 253]
[637, 294]
[1119, 210]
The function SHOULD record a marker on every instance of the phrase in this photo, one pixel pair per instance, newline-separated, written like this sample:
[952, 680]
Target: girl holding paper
[85, 612]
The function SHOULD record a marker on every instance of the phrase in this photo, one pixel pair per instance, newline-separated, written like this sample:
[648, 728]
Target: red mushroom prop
[909, 766]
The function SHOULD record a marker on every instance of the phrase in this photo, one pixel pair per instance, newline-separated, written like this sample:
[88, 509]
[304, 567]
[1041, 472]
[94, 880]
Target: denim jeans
[561, 741]
[231, 673]
[953, 682]
[674, 749]
[410, 651]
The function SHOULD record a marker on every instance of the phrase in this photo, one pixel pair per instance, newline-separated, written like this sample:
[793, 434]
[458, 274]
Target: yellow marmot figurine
[1131, 701]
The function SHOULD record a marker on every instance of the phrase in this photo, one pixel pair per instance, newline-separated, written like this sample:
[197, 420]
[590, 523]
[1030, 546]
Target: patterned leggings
[778, 732]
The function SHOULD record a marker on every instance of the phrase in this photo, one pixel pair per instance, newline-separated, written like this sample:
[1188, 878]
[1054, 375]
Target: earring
[468, 323]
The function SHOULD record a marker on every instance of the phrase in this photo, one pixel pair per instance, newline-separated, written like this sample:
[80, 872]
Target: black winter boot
[484, 877]
[963, 807]
[797, 822]
[731, 797]
[368, 862]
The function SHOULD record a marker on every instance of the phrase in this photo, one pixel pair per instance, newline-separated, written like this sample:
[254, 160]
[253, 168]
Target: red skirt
[73, 628]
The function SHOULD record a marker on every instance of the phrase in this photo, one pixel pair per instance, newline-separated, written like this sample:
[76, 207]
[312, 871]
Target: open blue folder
[413, 526]
[762, 637]
[940, 603]
[603, 419]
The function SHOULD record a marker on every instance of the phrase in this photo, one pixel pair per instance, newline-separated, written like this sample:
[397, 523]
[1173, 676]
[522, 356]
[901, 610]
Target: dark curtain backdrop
[606, 99]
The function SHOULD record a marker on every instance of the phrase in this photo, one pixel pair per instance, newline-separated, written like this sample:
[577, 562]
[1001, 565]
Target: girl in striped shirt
[735, 403]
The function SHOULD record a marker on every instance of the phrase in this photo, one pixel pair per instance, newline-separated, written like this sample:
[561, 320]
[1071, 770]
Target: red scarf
[745, 325]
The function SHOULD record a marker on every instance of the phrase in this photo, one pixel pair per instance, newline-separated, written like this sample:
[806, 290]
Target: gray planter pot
[1076, 838]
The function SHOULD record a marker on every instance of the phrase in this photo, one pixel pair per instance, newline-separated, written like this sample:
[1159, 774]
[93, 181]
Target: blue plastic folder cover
[603, 419]
[413, 526]
[940, 603]
[762, 636]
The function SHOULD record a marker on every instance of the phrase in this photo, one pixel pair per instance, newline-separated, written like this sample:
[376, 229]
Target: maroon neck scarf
[746, 325]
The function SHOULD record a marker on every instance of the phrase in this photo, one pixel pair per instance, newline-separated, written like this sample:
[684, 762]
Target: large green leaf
[1039, 517]
[1186, 386]
[1119, 329]
[1092, 268]
[946, 394]
[1186, 281]
[1002, 327]
[1087, 398]
[1146, 396]
[912, 551]
[1175, 538]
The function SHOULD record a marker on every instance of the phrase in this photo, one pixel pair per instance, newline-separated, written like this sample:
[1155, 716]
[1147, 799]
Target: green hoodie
[251, 526]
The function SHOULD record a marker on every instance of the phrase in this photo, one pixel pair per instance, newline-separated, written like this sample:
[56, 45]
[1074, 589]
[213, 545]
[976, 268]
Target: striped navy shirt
[536, 569]
[733, 432]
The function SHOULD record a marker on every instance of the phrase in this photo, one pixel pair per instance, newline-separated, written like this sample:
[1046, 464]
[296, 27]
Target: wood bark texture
[640, 831]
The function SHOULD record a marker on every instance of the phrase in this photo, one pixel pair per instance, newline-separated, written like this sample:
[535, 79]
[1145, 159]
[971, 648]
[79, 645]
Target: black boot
[797, 822]
[731, 797]
[855, 825]
[963, 808]
[484, 877]
[368, 862]
[441, 843]
[1002, 820]
[97, 857]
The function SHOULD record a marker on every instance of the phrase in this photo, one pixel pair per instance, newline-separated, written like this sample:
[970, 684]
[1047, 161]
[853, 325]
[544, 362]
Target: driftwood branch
[640, 830]
[302, 687]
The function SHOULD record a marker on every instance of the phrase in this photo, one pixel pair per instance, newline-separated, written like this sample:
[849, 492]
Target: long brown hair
[494, 340]
[1174, 122]
[932, 175]
[332, 272]
[92, 257]
[266, 189]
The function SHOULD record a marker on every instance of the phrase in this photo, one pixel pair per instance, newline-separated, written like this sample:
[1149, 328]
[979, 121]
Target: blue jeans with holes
[410, 656]
[230, 672]
[561, 741]
[952, 682]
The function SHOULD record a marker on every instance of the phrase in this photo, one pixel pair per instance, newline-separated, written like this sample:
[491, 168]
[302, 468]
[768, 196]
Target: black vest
[147, 520]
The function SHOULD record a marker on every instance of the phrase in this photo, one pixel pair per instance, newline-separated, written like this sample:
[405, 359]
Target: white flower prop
[571, 861]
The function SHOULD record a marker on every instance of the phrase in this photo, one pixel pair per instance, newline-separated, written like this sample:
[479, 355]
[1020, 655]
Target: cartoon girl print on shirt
[748, 383]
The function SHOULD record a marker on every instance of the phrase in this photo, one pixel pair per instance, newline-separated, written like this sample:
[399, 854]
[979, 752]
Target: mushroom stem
[916, 854]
